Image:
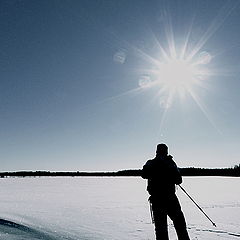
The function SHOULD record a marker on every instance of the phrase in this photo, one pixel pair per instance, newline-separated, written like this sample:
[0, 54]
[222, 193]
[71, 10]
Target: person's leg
[160, 220]
[175, 213]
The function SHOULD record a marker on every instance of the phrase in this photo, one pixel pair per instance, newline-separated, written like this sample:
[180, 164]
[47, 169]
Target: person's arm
[177, 178]
[146, 171]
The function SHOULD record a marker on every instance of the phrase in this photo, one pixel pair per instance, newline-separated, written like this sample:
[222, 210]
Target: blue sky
[75, 92]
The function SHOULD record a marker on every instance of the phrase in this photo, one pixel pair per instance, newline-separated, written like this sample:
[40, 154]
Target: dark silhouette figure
[162, 174]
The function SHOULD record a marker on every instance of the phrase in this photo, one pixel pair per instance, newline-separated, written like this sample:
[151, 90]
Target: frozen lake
[111, 208]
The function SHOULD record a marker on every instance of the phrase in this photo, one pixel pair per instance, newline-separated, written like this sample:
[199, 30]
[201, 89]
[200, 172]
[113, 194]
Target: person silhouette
[162, 174]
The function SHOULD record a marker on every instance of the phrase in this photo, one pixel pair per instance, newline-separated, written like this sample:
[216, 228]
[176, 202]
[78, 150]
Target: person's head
[162, 150]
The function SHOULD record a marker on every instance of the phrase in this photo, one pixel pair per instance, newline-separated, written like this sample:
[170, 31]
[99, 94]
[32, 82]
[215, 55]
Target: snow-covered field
[109, 208]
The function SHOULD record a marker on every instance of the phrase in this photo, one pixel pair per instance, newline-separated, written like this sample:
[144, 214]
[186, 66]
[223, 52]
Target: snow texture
[111, 208]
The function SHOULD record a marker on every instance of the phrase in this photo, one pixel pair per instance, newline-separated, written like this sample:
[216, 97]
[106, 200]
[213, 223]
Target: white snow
[111, 208]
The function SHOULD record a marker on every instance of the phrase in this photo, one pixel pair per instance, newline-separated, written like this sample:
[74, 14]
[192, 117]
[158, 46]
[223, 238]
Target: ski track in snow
[196, 229]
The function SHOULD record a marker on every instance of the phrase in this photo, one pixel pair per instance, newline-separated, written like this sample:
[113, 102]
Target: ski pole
[198, 206]
[151, 211]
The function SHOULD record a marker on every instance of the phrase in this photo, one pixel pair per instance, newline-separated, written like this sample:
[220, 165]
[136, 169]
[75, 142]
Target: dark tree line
[191, 171]
[234, 171]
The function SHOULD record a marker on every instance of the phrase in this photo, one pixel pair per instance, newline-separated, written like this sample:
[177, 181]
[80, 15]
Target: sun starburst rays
[175, 74]
[178, 69]
[178, 72]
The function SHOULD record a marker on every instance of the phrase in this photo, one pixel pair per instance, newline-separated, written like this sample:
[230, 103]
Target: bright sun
[177, 75]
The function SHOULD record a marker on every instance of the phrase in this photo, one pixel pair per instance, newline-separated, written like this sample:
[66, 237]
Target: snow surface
[111, 208]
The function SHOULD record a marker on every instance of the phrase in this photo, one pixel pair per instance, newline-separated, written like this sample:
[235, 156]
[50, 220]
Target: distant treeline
[191, 171]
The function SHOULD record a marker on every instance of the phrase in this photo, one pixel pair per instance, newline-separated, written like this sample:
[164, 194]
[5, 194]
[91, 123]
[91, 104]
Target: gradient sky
[72, 75]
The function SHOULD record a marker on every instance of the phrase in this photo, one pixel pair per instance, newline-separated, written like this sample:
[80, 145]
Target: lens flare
[144, 81]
